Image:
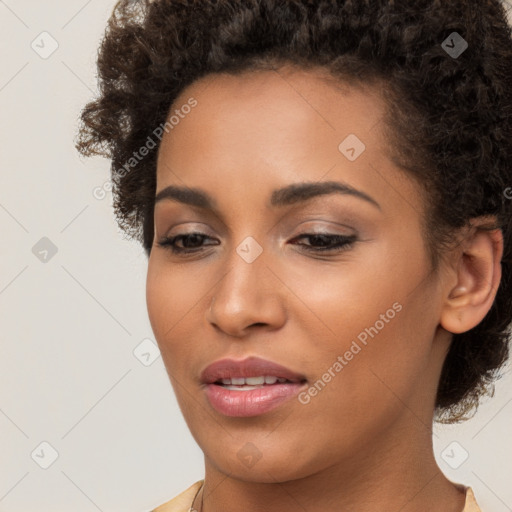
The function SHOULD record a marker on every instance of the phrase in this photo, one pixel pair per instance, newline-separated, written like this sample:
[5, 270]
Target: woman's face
[358, 323]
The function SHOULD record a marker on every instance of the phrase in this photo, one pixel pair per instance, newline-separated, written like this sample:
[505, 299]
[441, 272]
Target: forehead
[285, 91]
[286, 108]
[270, 128]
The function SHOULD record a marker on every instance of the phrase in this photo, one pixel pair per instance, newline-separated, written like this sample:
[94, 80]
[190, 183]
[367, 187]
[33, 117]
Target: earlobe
[478, 278]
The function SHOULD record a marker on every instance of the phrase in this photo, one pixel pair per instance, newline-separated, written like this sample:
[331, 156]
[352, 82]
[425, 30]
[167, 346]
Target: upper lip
[249, 367]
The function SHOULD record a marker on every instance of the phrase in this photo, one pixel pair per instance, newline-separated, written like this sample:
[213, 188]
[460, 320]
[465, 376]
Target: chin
[268, 464]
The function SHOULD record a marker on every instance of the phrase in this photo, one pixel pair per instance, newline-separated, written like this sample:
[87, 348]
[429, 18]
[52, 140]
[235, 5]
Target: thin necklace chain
[192, 508]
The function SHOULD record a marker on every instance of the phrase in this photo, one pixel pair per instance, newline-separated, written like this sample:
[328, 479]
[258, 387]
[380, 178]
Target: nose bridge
[247, 276]
[245, 295]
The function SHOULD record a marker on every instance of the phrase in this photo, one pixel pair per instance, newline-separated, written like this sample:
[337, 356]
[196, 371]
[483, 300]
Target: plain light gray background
[73, 374]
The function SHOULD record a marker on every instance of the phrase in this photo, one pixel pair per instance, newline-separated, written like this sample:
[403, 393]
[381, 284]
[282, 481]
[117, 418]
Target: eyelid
[194, 226]
[291, 221]
[301, 228]
[170, 211]
[328, 227]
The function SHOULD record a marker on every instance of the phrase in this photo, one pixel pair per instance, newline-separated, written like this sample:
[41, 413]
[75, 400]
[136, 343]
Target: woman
[321, 190]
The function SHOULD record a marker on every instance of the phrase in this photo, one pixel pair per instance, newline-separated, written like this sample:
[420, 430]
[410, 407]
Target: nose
[248, 296]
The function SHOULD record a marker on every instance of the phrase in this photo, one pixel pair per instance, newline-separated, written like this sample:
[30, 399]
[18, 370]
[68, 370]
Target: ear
[477, 272]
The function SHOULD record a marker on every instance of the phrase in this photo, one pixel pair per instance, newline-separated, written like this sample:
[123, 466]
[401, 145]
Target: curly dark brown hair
[448, 118]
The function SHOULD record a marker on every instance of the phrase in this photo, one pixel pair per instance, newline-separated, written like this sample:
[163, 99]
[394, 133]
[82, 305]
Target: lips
[250, 367]
[233, 389]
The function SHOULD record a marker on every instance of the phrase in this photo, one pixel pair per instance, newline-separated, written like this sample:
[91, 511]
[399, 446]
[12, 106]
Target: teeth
[242, 388]
[255, 381]
[252, 381]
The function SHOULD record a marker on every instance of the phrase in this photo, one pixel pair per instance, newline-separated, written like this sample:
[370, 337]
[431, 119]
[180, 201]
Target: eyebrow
[286, 196]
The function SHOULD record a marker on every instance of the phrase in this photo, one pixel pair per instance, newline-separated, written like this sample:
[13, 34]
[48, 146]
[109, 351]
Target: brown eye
[192, 242]
[324, 242]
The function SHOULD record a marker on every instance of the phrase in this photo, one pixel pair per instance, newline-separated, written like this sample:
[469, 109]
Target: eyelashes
[327, 243]
[169, 243]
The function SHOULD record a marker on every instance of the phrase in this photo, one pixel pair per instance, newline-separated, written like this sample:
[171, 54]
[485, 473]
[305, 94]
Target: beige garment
[183, 502]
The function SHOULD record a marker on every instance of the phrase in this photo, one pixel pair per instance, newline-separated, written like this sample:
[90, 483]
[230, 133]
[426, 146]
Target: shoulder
[183, 501]
[471, 504]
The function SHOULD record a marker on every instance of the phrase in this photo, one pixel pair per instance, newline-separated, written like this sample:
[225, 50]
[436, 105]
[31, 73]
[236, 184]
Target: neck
[395, 472]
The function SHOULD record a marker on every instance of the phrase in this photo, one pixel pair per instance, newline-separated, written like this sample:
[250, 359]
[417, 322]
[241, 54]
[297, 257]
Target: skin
[364, 442]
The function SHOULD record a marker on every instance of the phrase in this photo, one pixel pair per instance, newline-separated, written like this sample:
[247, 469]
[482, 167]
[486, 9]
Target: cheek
[167, 302]
[340, 302]
[374, 319]
[175, 300]
[157, 302]
[385, 354]
[169, 294]
[355, 398]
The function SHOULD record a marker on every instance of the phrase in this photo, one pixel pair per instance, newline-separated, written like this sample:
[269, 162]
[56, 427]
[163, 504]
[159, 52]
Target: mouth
[247, 400]
[252, 371]
[249, 387]
[250, 383]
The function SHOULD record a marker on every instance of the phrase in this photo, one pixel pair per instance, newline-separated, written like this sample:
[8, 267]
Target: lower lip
[252, 402]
